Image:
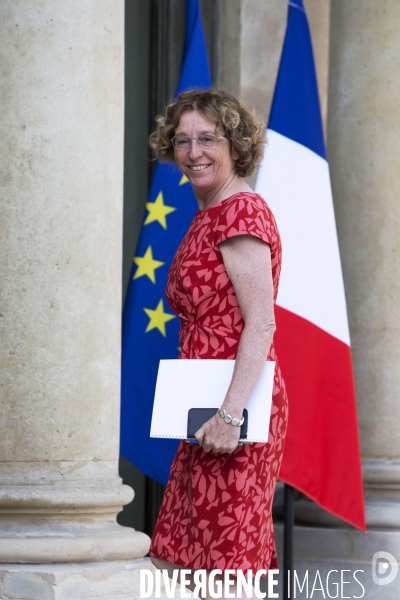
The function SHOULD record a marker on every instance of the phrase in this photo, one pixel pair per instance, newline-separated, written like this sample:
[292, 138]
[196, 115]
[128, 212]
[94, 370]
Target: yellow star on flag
[158, 211]
[147, 265]
[183, 180]
[158, 318]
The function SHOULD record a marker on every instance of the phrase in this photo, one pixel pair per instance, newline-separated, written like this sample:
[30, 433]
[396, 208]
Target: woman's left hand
[218, 436]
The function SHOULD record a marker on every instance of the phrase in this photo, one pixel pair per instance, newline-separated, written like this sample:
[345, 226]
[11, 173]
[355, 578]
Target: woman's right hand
[217, 436]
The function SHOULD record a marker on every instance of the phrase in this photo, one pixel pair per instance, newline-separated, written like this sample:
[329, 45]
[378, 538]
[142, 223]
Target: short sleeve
[246, 214]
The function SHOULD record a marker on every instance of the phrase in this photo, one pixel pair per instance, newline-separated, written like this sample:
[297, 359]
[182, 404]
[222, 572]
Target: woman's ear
[235, 155]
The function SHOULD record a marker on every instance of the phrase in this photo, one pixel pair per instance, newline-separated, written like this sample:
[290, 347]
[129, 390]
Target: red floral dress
[216, 511]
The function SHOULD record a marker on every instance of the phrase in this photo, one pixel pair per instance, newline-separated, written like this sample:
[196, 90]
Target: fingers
[209, 445]
[206, 441]
[199, 435]
[217, 437]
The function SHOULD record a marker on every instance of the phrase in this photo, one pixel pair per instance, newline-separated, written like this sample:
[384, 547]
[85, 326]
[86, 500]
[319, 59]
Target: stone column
[61, 120]
[364, 152]
[363, 149]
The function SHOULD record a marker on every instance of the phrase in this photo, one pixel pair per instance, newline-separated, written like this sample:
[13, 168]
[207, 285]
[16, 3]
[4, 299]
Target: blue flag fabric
[295, 111]
[149, 327]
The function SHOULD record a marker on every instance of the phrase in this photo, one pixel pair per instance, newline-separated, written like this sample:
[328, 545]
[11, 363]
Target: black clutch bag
[198, 416]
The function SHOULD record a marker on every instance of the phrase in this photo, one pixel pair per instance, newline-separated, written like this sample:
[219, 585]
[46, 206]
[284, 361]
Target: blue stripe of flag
[295, 111]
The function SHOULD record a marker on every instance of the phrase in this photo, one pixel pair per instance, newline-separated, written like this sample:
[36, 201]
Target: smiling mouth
[198, 167]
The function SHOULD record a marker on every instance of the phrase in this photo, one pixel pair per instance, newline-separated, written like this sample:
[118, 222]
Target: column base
[94, 581]
[73, 543]
[65, 512]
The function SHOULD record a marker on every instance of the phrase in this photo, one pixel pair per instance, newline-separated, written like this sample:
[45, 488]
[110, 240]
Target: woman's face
[206, 168]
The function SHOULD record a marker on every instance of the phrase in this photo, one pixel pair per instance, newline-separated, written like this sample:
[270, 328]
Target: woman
[216, 512]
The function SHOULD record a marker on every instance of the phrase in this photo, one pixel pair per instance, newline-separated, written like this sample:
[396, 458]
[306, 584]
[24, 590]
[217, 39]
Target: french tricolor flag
[322, 454]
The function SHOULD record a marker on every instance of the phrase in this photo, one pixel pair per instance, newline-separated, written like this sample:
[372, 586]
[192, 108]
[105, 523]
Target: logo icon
[384, 568]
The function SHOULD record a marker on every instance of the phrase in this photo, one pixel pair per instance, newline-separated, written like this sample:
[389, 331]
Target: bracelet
[228, 419]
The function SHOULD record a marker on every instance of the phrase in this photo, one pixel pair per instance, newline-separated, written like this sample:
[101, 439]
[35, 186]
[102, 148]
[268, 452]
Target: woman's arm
[247, 261]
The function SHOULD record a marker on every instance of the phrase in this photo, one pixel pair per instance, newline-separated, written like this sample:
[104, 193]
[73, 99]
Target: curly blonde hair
[244, 128]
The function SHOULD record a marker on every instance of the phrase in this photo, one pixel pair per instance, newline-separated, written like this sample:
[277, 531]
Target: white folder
[183, 384]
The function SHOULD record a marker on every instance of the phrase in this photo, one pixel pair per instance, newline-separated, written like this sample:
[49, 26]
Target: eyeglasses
[207, 140]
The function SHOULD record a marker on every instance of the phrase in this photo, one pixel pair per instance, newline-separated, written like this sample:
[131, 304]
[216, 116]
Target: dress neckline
[221, 202]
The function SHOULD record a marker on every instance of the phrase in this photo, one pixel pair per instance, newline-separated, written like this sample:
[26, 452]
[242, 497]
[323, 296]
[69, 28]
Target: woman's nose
[194, 150]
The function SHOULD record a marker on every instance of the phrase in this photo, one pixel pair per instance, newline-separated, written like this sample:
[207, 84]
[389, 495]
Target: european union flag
[150, 328]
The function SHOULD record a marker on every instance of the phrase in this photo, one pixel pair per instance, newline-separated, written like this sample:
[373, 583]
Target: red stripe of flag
[322, 444]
